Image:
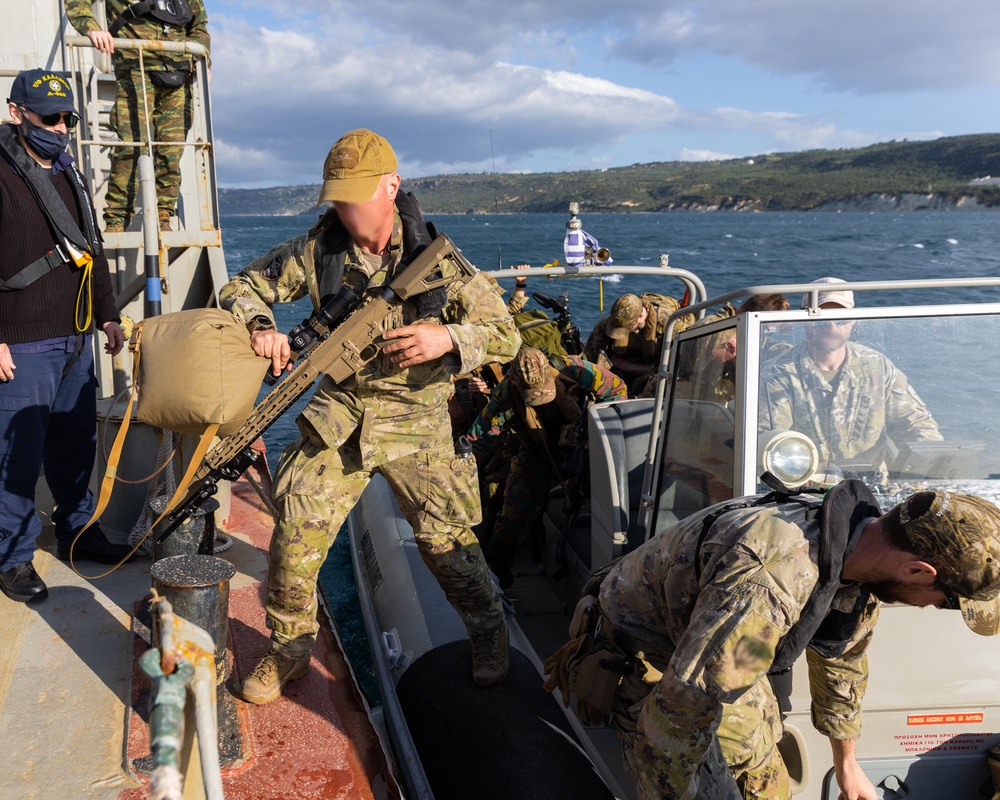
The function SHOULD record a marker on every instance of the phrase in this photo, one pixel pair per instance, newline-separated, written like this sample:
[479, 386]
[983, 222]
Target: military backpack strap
[170, 12]
[417, 235]
[114, 458]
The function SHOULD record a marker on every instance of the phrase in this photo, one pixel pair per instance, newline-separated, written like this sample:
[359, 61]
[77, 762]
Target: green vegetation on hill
[934, 174]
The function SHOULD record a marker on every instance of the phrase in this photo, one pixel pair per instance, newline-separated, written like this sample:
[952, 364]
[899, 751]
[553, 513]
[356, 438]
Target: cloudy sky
[595, 83]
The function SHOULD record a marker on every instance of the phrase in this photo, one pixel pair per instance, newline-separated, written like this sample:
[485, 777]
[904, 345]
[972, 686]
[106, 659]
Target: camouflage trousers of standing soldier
[527, 486]
[745, 747]
[315, 489]
[170, 120]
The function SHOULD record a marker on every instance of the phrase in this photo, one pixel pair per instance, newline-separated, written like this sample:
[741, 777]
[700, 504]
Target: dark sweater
[46, 308]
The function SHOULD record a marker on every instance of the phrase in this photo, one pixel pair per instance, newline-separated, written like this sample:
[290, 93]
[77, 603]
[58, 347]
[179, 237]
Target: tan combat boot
[269, 677]
[490, 659]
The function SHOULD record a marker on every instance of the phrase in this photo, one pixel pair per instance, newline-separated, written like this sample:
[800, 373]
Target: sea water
[726, 250]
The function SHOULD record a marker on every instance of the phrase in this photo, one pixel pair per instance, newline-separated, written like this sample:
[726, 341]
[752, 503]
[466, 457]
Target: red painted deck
[316, 742]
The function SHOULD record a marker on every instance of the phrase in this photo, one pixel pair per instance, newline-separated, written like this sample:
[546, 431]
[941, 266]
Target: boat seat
[619, 437]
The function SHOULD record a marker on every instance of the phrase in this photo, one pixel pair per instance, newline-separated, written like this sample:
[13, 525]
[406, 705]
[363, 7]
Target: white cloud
[854, 45]
[282, 96]
[687, 154]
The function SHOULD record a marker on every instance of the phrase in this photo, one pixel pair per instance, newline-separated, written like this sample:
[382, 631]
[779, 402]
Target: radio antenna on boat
[496, 200]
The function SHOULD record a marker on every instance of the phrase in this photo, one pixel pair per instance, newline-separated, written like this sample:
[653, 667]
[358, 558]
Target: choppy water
[727, 251]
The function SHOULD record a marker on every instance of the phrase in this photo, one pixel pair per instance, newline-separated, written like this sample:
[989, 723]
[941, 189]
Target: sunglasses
[950, 601]
[837, 323]
[52, 120]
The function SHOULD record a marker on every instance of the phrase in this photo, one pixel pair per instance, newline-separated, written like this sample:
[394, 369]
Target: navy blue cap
[42, 91]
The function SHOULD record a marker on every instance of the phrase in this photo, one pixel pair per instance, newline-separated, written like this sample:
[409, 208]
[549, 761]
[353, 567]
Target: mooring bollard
[197, 587]
[195, 536]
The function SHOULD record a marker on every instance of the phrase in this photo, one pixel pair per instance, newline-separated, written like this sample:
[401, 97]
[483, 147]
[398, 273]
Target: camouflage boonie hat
[960, 536]
[625, 314]
[534, 376]
[354, 166]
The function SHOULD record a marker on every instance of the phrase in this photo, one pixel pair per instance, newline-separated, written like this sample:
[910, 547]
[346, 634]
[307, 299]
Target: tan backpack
[193, 372]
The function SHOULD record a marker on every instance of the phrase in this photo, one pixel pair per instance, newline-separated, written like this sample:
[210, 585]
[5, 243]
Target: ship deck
[68, 720]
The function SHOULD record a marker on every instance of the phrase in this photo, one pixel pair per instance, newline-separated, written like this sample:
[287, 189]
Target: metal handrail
[141, 46]
[191, 48]
[693, 283]
[815, 289]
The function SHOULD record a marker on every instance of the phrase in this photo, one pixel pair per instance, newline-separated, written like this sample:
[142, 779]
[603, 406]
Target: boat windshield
[698, 455]
[904, 403]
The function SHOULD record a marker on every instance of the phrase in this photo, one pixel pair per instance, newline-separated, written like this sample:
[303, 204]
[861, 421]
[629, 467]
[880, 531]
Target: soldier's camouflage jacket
[715, 636]
[848, 419]
[399, 411]
[601, 384]
[81, 16]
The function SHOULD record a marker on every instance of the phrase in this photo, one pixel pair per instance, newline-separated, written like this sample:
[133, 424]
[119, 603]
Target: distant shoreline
[970, 208]
[956, 173]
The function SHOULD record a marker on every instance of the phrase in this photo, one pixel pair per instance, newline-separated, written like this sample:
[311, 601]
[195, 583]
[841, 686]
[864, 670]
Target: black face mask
[47, 144]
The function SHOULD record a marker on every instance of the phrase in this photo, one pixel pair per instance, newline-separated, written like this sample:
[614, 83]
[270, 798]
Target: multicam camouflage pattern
[712, 629]
[387, 420]
[531, 470]
[517, 303]
[399, 411]
[316, 488]
[643, 347]
[599, 382]
[848, 420]
[960, 535]
[81, 16]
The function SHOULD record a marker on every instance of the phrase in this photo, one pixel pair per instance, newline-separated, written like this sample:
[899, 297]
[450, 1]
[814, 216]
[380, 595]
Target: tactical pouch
[169, 79]
[594, 676]
[585, 617]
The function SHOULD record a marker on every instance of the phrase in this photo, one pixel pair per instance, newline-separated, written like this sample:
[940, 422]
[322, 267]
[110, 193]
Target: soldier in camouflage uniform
[391, 418]
[540, 399]
[846, 397]
[628, 342]
[170, 105]
[711, 605]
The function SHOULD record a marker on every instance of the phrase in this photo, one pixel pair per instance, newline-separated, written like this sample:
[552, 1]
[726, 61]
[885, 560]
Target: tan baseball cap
[959, 535]
[355, 165]
[841, 298]
[625, 314]
[534, 376]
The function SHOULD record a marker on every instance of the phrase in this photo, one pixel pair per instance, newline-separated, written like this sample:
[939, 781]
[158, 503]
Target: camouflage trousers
[170, 121]
[527, 486]
[316, 488]
[742, 761]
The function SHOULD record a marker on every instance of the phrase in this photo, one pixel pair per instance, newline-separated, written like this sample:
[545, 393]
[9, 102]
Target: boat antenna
[496, 200]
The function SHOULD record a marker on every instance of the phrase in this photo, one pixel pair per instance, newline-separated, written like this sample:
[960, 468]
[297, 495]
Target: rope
[106, 419]
[169, 486]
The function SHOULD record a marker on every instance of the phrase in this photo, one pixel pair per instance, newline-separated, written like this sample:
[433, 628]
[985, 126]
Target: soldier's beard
[891, 591]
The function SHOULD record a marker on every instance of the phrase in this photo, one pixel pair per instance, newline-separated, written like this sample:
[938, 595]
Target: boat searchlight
[788, 455]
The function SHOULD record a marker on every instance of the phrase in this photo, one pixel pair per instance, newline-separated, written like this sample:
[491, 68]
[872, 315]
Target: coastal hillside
[956, 172]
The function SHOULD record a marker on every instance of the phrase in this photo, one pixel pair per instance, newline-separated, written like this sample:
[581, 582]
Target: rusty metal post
[195, 536]
[197, 587]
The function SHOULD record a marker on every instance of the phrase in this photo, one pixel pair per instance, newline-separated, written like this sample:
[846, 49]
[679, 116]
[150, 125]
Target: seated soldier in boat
[848, 398]
[545, 398]
[629, 340]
